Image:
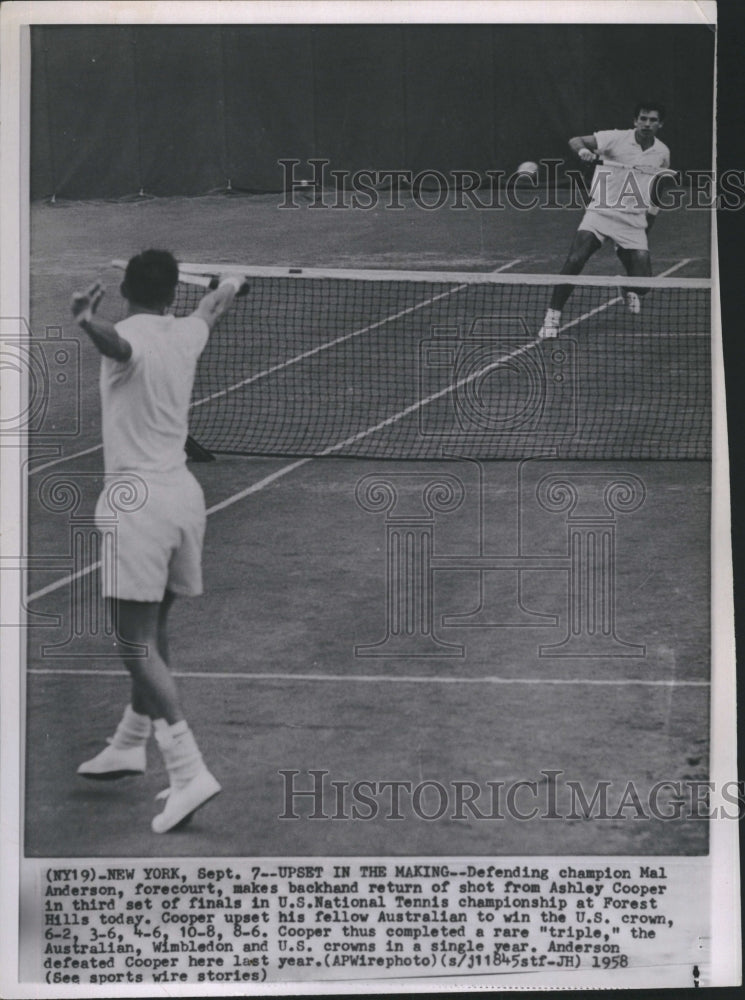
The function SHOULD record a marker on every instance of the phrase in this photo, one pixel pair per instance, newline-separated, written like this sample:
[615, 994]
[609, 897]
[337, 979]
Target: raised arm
[585, 147]
[101, 331]
[217, 302]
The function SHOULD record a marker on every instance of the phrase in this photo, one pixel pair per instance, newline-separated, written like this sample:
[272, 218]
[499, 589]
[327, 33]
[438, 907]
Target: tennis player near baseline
[622, 203]
[147, 371]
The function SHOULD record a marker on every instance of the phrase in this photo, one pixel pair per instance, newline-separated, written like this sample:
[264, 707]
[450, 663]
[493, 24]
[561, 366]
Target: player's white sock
[191, 784]
[180, 752]
[133, 730]
[551, 324]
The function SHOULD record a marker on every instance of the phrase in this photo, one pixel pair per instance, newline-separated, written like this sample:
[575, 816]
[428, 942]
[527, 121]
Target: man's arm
[215, 303]
[101, 331]
[585, 147]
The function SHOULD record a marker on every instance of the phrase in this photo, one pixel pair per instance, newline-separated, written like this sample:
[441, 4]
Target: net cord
[202, 274]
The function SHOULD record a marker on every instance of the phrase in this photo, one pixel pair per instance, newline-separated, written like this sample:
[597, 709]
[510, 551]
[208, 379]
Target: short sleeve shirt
[145, 400]
[614, 189]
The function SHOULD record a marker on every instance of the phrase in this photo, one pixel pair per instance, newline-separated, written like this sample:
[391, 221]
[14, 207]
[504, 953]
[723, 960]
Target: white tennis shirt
[615, 189]
[145, 400]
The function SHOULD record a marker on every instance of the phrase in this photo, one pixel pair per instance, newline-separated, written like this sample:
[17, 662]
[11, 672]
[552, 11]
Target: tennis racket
[191, 276]
[193, 279]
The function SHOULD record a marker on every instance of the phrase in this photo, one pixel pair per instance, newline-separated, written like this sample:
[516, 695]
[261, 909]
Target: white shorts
[157, 547]
[620, 227]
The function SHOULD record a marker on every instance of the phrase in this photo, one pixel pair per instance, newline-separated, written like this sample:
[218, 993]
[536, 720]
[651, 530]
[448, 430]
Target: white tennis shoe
[633, 302]
[182, 803]
[113, 763]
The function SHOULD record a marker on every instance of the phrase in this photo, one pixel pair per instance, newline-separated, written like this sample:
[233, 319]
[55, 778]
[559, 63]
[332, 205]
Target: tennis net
[427, 365]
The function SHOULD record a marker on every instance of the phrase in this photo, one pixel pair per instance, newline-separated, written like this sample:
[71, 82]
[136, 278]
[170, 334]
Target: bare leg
[153, 693]
[636, 262]
[583, 247]
[153, 687]
[140, 700]
[190, 783]
[165, 606]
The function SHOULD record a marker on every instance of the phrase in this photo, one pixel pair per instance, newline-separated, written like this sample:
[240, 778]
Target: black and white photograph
[367, 588]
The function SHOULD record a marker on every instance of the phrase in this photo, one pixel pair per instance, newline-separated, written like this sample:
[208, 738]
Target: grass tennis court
[295, 574]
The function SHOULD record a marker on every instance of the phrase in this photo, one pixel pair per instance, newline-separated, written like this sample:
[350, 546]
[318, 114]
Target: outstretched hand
[84, 304]
[241, 289]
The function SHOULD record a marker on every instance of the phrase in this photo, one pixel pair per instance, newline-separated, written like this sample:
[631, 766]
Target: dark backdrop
[185, 109]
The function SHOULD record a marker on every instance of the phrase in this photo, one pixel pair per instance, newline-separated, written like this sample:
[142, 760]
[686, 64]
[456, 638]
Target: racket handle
[240, 289]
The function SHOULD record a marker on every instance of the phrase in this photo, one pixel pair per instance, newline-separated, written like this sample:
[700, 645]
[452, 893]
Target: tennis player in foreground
[623, 203]
[147, 372]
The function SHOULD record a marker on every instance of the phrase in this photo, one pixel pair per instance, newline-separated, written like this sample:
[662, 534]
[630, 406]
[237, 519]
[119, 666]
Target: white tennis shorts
[156, 547]
[627, 230]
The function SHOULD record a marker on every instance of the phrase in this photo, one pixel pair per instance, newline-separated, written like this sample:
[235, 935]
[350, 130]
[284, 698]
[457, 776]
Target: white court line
[254, 488]
[619, 298]
[329, 344]
[64, 458]
[505, 267]
[470, 378]
[50, 588]
[383, 678]
[677, 267]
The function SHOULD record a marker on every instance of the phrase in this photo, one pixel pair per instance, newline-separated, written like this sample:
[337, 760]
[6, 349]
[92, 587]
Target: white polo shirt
[145, 400]
[628, 191]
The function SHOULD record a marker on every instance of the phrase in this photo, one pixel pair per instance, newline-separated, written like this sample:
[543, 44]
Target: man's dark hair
[650, 106]
[151, 278]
